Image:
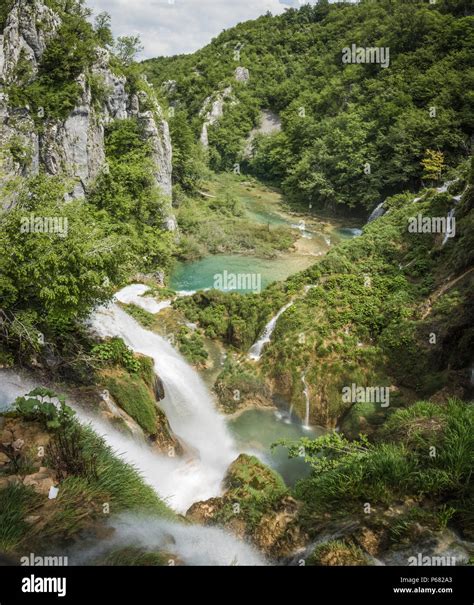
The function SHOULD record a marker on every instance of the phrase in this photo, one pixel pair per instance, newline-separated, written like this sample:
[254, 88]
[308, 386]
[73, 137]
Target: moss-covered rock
[337, 552]
[137, 397]
[256, 505]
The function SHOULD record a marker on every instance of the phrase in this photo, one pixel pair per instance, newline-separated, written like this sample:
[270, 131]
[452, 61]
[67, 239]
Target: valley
[229, 342]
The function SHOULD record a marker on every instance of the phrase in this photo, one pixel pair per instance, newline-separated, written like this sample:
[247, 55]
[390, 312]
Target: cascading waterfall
[447, 235]
[188, 407]
[306, 395]
[256, 349]
[192, 544]
[376, 213]
[12, 385]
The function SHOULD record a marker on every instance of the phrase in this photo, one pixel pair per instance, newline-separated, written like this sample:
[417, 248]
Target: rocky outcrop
[73, 147]
[254, 506]
[29, 28]
[212, 111]
[242, 74]
[269, 124]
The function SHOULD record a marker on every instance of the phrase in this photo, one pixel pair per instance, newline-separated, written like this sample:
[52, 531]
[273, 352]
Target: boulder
[41, 482]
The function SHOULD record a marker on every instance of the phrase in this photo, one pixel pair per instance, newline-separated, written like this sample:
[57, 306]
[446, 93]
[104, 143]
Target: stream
[212, 441]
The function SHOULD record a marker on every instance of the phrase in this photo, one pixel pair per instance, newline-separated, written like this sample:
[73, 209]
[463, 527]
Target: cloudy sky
[169, 27]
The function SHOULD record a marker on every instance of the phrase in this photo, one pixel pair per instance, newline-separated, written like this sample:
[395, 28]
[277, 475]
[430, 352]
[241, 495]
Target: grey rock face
[212, 111]
[242, 74]
[74, 146]
[117, 100]
[30, 26]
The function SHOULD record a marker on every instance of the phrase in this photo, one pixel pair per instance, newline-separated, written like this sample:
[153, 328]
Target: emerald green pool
[200, 274]
[255, 430]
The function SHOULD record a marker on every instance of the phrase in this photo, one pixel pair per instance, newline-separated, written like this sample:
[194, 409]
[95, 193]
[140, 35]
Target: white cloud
[168, 27]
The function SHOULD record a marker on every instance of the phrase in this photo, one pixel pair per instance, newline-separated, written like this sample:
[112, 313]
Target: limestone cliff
[74, 146]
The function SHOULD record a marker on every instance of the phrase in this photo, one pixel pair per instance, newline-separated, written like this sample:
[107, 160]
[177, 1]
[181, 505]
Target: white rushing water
[256, 349]
[134, 294]
[306, 395]
[448, 234]
[12, 385]
[190, 411]
[192, 544]
[377, 212]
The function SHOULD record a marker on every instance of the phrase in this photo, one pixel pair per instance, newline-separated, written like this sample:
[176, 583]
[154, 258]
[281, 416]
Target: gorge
[180, 417]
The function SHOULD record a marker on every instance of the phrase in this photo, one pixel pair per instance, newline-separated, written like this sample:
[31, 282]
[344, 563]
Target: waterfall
[188, 406]
[190, 411]
[306, 396]
[447, 234]
[191, 544]
[256, 349]
[12, 385]
[445, 186]
[376, 213]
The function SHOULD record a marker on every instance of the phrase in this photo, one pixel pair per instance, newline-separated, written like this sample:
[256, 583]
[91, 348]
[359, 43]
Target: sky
[169, 27]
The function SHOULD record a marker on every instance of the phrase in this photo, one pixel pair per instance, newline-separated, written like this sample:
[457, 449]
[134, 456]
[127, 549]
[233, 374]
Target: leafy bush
[39, 405]
[115, 352]
[354, 472]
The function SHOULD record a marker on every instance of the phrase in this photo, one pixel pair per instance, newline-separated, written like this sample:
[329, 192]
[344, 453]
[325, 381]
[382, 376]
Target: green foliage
[336, 117]
[354, 472]
[237, 384]
[234, 318]
[405, 528]
[127, 48]
[144, 317]
[433, 164]
[134, 397]
[5, 9]
[127, 191]
[65, 454]
[188, 159]
[55, 89]
[191, 345]
[16, 502]
[115, 352]
[39, 405]
[337, 552]
[252, 485]
[103, 30]
[50, 280]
